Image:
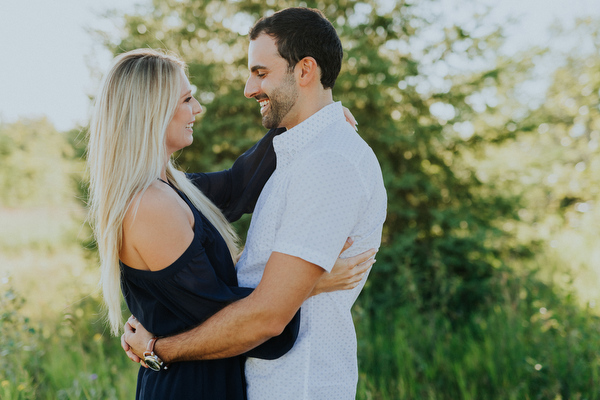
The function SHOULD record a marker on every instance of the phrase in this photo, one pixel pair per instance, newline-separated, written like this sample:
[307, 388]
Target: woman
[161, 240]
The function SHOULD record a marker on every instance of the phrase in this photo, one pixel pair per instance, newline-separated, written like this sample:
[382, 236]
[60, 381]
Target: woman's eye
[187, 100]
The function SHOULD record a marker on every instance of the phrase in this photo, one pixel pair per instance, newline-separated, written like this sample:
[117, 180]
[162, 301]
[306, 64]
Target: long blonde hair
[126, 153]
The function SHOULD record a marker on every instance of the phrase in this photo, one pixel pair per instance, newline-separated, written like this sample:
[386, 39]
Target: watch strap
[150, 345]
[149, 354]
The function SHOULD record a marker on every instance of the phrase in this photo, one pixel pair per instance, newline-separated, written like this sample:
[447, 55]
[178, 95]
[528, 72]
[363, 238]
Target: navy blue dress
[201, 282]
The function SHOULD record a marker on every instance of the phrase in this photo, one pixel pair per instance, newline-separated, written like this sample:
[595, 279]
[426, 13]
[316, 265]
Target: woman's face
[180, 129]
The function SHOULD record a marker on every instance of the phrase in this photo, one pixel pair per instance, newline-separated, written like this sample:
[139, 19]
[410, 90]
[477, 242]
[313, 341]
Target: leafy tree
[414, 80]
[553, 159]
[566, 128]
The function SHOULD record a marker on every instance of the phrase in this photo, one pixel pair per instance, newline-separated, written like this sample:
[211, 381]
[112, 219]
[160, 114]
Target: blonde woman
[163, 242]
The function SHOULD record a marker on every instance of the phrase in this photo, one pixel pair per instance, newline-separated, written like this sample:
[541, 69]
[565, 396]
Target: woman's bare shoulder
[156, 228]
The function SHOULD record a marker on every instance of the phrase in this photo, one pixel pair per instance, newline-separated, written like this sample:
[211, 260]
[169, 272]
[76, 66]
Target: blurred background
[485, 118]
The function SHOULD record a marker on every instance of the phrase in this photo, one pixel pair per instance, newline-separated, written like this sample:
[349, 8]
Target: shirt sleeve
[236, 190]
[323, 201]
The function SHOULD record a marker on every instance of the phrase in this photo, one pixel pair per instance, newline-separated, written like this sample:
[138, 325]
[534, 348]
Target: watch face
[152, 363]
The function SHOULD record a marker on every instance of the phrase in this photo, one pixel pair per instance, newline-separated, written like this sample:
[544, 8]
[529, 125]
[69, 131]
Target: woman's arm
[346, 273]
[236, 190]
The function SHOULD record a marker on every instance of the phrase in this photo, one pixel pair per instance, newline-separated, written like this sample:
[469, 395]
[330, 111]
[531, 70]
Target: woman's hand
[346, 273]
[351, 120]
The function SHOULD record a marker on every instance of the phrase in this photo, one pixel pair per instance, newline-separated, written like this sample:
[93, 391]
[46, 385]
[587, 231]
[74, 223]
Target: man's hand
[135, 339]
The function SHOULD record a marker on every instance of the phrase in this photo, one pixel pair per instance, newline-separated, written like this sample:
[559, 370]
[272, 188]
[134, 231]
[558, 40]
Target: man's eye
[260, 75]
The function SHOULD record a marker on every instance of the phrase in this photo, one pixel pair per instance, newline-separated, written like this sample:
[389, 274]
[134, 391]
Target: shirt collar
[290, 142]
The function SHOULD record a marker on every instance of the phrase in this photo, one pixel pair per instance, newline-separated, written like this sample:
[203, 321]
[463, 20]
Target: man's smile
[264, 104]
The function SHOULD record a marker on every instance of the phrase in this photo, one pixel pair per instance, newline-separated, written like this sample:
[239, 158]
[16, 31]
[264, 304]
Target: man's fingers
[132, 356]
[127, 338]
[128, 328]
[124, 344]
[133, 322]
[128, 350]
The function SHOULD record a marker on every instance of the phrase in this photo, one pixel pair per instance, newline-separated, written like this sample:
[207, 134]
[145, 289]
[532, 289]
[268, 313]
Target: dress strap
[179, 192]
[174, 188]
[167, 183]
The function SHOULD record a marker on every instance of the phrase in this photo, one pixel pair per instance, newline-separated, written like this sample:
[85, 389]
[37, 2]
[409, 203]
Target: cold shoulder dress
[200, 283]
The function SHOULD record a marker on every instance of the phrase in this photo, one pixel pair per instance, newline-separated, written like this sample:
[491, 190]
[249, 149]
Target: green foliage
[535, 343]
[492, 203]
[72, 358]
[551, 162]
[564, 133]
[34, 168]
[411, 97]
[17, 338]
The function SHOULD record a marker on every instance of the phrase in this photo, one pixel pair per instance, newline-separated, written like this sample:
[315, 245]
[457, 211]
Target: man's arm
[287, 281]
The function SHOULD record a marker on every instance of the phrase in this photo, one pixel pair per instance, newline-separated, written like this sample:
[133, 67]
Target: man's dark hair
[304, 32]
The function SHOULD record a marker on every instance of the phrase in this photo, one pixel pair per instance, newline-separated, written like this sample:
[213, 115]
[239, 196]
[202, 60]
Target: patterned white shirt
[327, 187]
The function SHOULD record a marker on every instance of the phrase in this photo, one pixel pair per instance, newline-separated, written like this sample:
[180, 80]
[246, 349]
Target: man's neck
[310, 104]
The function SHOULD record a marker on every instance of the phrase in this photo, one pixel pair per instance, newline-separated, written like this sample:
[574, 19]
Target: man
[327, 186]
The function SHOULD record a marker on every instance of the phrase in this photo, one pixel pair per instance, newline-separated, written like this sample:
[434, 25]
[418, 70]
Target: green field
[538, 342]
[486, 282]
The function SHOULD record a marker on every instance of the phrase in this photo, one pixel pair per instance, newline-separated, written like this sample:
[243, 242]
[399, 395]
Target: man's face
[271, 83]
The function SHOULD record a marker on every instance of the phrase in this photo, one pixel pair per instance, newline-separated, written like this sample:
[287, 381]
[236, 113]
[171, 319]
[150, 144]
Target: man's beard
[281, 101]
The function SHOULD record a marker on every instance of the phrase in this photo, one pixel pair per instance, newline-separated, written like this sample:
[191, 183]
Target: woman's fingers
[347, 245]
[350, 118]
[361, 258]
[365, 265]
[361, 270]
[354, 274]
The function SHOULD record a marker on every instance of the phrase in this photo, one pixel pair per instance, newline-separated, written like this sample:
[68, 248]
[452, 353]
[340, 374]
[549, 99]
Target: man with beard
[327, 186]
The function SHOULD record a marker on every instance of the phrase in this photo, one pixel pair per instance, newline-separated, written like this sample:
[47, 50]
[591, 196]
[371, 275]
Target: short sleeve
[323, 200]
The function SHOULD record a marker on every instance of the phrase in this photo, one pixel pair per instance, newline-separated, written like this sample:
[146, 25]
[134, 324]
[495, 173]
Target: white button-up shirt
[327, 187]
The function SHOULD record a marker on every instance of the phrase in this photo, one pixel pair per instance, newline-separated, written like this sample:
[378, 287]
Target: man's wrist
[152, 360]
[161, 351]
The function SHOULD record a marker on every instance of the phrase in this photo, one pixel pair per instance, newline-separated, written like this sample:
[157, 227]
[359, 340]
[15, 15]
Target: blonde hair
[126, 153]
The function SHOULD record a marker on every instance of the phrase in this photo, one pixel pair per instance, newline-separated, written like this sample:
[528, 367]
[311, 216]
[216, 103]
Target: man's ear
[308, 71]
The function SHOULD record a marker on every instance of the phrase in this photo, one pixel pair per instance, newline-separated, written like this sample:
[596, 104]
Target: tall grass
[53, 342]
[73, 358]
[537, 343]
